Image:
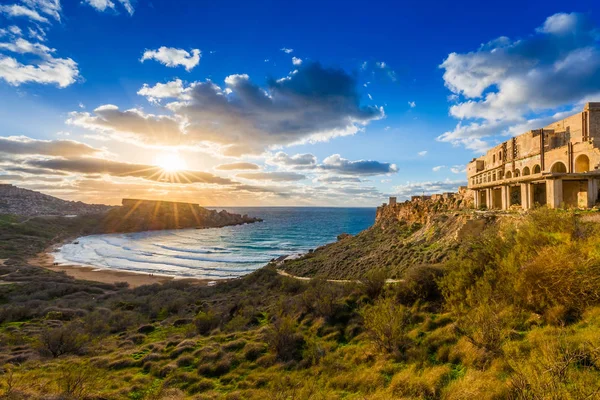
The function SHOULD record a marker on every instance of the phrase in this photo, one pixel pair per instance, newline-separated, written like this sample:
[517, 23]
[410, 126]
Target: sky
[265, 103]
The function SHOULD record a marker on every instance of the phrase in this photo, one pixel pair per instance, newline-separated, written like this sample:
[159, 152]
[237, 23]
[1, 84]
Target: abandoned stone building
[554, 166]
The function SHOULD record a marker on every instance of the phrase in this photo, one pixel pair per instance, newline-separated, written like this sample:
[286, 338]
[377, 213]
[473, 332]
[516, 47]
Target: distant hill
[18, 201]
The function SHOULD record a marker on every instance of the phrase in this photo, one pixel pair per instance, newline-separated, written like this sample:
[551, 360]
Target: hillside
[404, 235]
[18, 201]
[513, 314]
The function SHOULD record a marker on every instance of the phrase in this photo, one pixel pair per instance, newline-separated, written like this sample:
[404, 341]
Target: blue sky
[328, 103]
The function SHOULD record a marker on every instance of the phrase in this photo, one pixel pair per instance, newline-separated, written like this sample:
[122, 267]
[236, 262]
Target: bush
[284, 339]
[67, 339]
[77, 380]
[387, 324]
[206, 322]
[373, 282]
[420, 282]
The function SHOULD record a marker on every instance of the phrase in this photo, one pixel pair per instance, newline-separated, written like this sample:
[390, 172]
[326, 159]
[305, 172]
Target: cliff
[405, 235]
[145, 215]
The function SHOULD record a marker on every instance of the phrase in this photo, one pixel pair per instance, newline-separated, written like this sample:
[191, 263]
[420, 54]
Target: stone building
[554, 166]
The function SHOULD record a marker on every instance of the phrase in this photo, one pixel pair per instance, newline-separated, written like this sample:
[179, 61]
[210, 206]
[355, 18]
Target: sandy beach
[46, 260]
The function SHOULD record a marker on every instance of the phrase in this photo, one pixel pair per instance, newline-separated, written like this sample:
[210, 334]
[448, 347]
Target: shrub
[66, 339]
[420, 282]
[373, 282]
[387, 324]
[206, 322]
[284, 339]
[77, 380]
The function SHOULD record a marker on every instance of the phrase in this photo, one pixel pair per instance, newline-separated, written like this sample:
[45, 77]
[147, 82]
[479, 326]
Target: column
[476, 198]
[530, 195]
[554, 193]
[592, 192]
[505, 201]
[488, 198]
[525, 203]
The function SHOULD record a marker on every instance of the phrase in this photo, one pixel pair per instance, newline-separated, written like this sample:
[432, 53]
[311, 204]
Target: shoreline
[45, 260]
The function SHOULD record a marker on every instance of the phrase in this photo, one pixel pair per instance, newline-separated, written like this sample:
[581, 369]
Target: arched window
[525, 171]
[559, 168]
[537, 169]
[508, 175]
[517, 173]
[582, 163]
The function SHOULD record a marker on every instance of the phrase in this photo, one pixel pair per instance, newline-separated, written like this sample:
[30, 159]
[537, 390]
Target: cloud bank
[500, 85]
[311, 104]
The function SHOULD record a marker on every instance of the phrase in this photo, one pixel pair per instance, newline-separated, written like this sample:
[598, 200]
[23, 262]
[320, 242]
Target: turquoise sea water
[221, 252]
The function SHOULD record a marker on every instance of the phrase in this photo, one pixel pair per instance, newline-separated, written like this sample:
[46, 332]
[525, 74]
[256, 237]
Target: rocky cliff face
[18, 201]
[421, 210]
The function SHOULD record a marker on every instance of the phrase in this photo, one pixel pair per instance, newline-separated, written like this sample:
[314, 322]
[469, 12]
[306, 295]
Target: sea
[218, 253]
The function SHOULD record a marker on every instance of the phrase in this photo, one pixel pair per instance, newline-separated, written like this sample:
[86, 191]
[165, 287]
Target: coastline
[45, 260]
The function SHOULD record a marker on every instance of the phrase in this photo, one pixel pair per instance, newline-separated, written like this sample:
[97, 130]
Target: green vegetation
[512, 313]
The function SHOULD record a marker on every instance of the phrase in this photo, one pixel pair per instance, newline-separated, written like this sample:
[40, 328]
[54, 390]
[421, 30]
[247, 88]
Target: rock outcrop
[137, 215]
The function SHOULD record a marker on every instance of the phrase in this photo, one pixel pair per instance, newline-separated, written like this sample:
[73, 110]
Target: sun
[170, 162]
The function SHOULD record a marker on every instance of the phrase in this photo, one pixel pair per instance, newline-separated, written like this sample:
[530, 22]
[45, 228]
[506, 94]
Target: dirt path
[303, 278]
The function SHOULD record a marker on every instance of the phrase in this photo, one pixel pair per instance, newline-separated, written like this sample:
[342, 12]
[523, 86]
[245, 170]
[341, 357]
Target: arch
[582, 163]
[537, 169]
[558, 168]
[508, 175]
[517, 173]
[525, 171]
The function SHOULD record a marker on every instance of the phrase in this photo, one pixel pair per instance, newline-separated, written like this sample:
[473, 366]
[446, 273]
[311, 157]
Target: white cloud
[60, 71]
[103, 5]
[428, 188]
[508, 83]
[172, 57]
[127, 5]
[23, 46]
[286, 50]
[173, 89]
[412, 104]
[422, 153]
[458, 169]
[37, 33]
[297, 160]
[48, 7]
[46, 70]
[381, 64]
[15, 30]
[16, 10]
[296, 61]
[438, 168]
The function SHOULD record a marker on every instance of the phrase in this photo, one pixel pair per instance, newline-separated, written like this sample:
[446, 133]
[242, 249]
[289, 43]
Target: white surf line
[304, 278]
